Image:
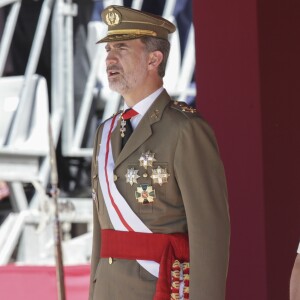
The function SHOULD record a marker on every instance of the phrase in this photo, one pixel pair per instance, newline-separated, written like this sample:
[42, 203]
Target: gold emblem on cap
[112, 17]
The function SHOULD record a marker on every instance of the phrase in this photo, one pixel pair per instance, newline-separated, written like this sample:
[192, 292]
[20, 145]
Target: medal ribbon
[121, 215]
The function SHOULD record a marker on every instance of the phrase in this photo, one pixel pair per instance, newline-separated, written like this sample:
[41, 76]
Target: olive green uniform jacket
[193, 200]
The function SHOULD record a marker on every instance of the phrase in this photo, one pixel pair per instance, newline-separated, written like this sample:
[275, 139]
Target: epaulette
[182, 106]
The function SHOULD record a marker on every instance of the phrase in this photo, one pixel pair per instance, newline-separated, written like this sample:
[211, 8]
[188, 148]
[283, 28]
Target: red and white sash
[121, 215]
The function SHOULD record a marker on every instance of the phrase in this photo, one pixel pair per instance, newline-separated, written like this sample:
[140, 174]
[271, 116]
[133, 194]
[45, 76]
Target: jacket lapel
[116, 140]
[143, 130]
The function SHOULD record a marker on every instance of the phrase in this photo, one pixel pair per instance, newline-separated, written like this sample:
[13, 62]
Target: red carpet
[39, 282]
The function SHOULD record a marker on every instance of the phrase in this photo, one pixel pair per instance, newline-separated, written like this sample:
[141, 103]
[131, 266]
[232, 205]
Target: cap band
[132, 31]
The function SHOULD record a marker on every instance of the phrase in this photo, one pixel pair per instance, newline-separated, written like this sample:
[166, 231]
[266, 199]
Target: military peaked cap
[127, 24]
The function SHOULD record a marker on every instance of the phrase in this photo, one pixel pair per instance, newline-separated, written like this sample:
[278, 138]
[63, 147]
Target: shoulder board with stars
[182, 106]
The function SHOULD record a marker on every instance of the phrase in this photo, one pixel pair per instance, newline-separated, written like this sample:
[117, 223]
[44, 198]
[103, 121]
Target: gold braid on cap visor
[132, 31]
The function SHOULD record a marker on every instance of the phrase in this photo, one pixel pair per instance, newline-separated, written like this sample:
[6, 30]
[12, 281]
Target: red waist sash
[170, 250]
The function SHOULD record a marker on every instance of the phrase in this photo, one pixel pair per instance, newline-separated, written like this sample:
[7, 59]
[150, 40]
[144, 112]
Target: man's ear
[155, 59]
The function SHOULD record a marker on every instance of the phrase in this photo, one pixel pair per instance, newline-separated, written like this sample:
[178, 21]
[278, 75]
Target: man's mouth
[112, 72]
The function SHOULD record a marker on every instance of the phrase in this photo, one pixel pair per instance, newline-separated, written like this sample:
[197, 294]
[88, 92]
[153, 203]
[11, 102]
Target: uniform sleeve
[200, 176]
[96, 225]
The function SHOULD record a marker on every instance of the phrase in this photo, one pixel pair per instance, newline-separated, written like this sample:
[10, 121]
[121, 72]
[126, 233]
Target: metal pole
[68, 122]
[8, 32]
[87, 99]
[57, 227]
[57, 59]
[21, 113]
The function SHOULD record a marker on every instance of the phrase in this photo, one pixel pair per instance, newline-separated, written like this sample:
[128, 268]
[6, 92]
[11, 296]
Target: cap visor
[120, 37]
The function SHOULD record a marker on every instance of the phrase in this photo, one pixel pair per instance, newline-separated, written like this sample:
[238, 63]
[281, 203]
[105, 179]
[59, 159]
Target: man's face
[126, 66]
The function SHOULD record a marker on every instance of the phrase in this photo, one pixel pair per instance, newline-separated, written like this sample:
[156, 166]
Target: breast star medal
[131, 176]
[146, 160]
[160, 175]
[145, 194]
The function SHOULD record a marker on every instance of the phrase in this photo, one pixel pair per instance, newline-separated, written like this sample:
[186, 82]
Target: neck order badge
[126, 128]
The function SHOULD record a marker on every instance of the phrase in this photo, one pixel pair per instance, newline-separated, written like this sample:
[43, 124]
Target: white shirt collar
[142, 106]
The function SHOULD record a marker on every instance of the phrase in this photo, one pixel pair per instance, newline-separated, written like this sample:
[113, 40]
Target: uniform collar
[142, 106]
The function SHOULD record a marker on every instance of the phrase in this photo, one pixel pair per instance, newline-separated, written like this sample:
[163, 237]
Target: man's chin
[116, 87]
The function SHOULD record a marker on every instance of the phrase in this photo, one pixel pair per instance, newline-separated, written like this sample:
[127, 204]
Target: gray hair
[155, 44]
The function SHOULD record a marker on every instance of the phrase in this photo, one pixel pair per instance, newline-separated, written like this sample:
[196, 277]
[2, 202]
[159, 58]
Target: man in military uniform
[161, 223]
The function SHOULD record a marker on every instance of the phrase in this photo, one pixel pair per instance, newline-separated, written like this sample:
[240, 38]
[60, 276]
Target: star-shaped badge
[159, 175]
[145, 194]
[146, 160]
[131, 176]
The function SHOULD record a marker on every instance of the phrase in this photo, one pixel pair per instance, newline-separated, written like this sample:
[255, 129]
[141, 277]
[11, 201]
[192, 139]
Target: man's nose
[110, 59]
